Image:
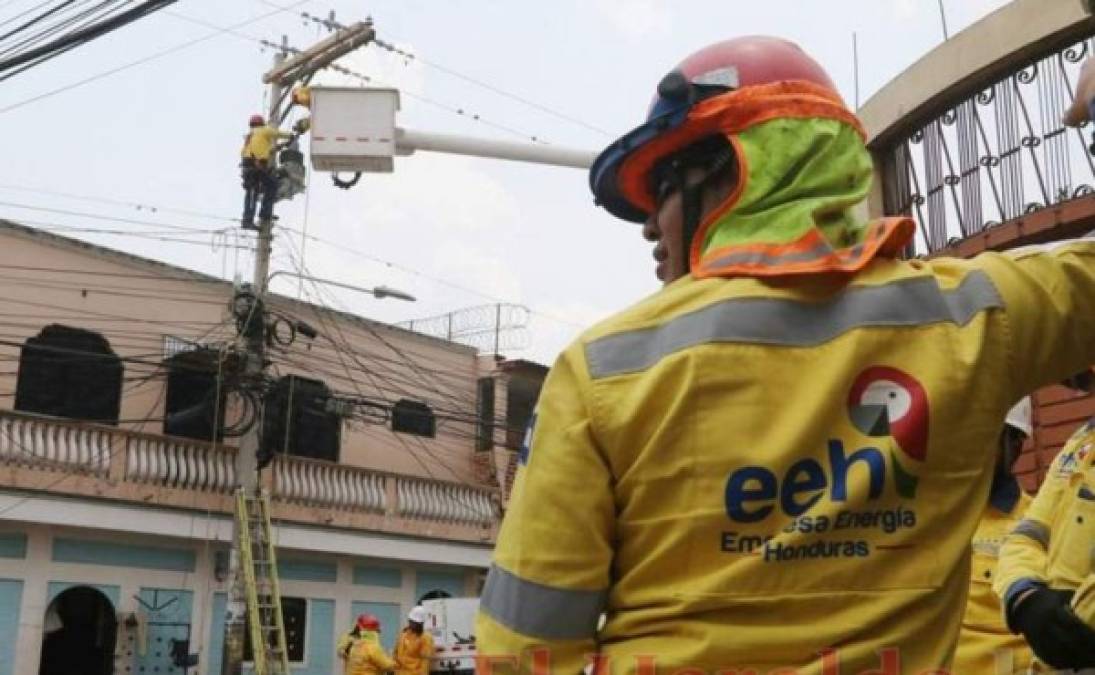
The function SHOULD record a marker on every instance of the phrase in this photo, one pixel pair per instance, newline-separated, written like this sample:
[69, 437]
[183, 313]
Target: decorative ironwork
[993, 155]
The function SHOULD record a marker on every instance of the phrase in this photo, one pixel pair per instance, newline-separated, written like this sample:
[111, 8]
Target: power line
[78, 37]
[331, 25]
[212, 242]
[146, 59]
[410, 270]
[457, 110]
[139, 206]
[195, 277]
[96, 216]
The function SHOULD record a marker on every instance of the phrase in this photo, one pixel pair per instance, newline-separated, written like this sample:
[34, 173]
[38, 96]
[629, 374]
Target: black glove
[1054, 632]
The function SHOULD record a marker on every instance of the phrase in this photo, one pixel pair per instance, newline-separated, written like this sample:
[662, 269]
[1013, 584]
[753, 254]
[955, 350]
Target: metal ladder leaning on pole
[260, 571]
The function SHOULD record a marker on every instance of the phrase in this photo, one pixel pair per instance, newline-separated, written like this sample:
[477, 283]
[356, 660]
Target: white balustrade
[446, 502]
[327, 485]
[176, 463]
[47, 443]
[27, 440]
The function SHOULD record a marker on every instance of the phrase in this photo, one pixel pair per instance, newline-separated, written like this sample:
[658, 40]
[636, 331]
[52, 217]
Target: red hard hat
[368, 622]
[717, 69]
[256, 121]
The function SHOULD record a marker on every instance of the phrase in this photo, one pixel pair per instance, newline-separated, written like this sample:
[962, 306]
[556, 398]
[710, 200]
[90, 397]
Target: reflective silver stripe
[794, 323]
[822, 250]
[1034, 530]
[540, 611]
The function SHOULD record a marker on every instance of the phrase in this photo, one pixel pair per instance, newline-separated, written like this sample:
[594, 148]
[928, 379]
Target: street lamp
[379, 292]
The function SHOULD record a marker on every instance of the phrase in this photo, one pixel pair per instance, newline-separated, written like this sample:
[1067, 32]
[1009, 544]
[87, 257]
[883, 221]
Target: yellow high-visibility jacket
[749, 474]
[413, 652]
[367, 657]
[1054, 541]
[985, 644]
[260, 141]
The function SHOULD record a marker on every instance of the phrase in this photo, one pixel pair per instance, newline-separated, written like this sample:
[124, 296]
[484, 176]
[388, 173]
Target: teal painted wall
[391, 620]
[387, 577]
[169, 616]
[307, 570]
[122, 555]
[452, 583]
[211, 659]
[55, 588]
[11, 599]
[13, 545]
[320, 653]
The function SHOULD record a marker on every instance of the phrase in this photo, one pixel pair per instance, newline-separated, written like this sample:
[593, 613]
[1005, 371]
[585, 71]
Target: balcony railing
[326, 485]
[172, 462]
[43, 443]
[135, 466]
[995, 151]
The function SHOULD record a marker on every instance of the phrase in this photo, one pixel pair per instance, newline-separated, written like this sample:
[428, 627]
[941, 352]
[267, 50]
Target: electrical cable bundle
[63, 25]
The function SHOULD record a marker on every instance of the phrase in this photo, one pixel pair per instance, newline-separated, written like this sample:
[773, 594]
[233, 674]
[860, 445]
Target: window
[521, 397]
[189, 409]
[484, 436]
[413, 417]
[295, 613]
[297, 421]
[69, 372]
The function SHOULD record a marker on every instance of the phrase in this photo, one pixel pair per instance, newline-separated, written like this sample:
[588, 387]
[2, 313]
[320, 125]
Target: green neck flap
[802, 174]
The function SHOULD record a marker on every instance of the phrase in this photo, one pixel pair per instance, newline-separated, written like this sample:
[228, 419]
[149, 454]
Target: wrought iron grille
[993, 155]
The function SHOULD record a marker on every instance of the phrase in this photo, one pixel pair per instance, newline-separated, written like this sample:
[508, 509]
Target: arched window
[69, 372]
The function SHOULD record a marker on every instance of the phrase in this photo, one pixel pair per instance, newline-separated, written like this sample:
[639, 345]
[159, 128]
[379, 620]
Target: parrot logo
[885, 401]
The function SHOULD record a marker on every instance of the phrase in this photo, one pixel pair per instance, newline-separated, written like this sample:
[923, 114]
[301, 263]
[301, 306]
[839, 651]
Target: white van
[451, 622]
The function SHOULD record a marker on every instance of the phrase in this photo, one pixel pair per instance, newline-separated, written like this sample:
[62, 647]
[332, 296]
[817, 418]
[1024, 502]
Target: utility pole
[285, 72]
[247, 473]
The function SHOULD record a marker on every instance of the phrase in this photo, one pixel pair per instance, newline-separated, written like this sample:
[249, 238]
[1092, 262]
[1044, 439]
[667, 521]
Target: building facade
[120, 414]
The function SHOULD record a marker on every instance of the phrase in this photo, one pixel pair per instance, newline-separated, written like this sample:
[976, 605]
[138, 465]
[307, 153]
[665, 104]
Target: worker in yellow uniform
[415, 646]
[985, 645]
[260, 183]
[778, 460]
[1048, 555]
[361, 649]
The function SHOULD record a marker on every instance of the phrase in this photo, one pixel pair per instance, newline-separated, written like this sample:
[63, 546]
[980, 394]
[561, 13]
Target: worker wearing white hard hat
[1045, 562]
[415, 645]
[985, 644]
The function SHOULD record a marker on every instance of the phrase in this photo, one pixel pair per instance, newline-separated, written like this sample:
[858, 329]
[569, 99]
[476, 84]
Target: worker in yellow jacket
[361, 649]
[415, 646]
[985, 644]
[260, 184]
[1048, 555]
[779, 459]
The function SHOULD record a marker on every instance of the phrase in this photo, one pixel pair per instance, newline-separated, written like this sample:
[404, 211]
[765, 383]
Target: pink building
[388, 461]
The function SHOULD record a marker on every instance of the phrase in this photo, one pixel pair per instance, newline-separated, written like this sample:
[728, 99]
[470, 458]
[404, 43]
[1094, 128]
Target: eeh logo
[885, 401]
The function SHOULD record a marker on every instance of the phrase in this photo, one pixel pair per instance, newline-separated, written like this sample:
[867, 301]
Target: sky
[158, 142]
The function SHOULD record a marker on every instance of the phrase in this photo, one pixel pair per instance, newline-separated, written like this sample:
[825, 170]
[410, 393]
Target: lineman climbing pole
[247, 554]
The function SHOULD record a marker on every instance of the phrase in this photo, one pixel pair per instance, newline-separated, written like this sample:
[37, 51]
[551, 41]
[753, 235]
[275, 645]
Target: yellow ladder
[260, 578]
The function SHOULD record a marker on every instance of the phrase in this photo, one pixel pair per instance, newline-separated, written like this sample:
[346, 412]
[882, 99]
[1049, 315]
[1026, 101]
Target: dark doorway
[80, 631]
